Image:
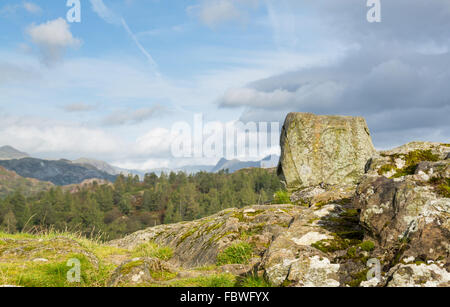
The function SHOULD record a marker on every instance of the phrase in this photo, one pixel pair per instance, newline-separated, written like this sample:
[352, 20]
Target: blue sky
[111, 86]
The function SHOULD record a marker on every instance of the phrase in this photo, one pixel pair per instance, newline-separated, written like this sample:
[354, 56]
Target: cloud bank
[396, 76]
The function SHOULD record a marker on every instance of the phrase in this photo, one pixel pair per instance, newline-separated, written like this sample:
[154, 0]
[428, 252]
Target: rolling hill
[10, 182]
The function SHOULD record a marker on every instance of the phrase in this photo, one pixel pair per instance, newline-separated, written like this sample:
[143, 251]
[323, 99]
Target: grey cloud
[397, 77]
[133, 117]
[79, 107]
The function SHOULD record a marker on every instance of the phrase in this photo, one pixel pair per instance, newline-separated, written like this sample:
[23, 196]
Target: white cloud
[52, 38]
[37, 137]
[32, 8]
[156, 141]
[215, 12]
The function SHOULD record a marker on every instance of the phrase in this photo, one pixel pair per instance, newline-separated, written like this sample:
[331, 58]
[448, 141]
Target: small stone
[40, 260]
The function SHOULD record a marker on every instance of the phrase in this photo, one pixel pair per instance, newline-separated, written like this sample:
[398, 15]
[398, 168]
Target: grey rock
[323, 150]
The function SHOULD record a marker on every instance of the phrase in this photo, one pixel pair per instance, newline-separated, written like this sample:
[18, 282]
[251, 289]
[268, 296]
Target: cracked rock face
[408, 216]
[308, 253]
[323, 149]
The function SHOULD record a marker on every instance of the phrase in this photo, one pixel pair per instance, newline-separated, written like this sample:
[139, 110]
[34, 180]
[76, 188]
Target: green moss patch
[358, 278]
[386, 169]
[367, 246]
[441, 186]
[413, 159]
[333, 245]
[253, 282]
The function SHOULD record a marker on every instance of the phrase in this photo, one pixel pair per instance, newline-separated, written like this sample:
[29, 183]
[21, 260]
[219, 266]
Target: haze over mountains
[8, 153]
[65, 172]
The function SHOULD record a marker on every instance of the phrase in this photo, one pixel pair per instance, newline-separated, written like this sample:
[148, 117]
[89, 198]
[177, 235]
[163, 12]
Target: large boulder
[323, 150]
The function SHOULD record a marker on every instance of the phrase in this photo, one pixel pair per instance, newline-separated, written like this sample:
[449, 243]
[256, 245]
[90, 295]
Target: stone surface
[408, 216]
[323, 149]
[198, 243]
[419, 275]
[140, 271]
[309, 252]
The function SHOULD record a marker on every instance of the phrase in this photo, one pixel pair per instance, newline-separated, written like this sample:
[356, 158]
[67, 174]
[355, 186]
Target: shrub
[282, 197]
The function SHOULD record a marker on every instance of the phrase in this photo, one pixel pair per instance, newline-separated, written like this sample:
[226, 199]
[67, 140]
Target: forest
[116, 209]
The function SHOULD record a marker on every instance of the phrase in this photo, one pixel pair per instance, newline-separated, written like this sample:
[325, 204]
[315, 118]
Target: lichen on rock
[323, 149]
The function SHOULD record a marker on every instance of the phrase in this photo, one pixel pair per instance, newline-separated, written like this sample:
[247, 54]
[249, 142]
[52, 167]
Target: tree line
[129, 204]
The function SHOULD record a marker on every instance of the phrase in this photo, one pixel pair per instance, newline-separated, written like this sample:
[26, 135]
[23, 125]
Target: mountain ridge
[60, 172]
[8, 153]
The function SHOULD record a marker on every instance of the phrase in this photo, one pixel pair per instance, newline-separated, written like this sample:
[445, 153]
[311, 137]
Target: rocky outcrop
[55, 250]
[405, 208]
[308, 253]
[140, 271]
[318, 150]
[391, 229]
[198, 243]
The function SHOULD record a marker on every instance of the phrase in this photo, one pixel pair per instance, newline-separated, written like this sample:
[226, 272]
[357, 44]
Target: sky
[112, 86]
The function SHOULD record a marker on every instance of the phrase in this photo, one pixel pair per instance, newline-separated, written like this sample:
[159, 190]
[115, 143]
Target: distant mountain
[100, 165]
[10, 182]
[9, 153]
[270, 161]
[62, 172]
[235, 165]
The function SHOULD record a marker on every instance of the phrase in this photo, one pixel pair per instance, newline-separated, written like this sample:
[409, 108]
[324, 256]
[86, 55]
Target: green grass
[253, 282]
[53, 274]
[239, 253]
[153, 250]
[57, 248]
